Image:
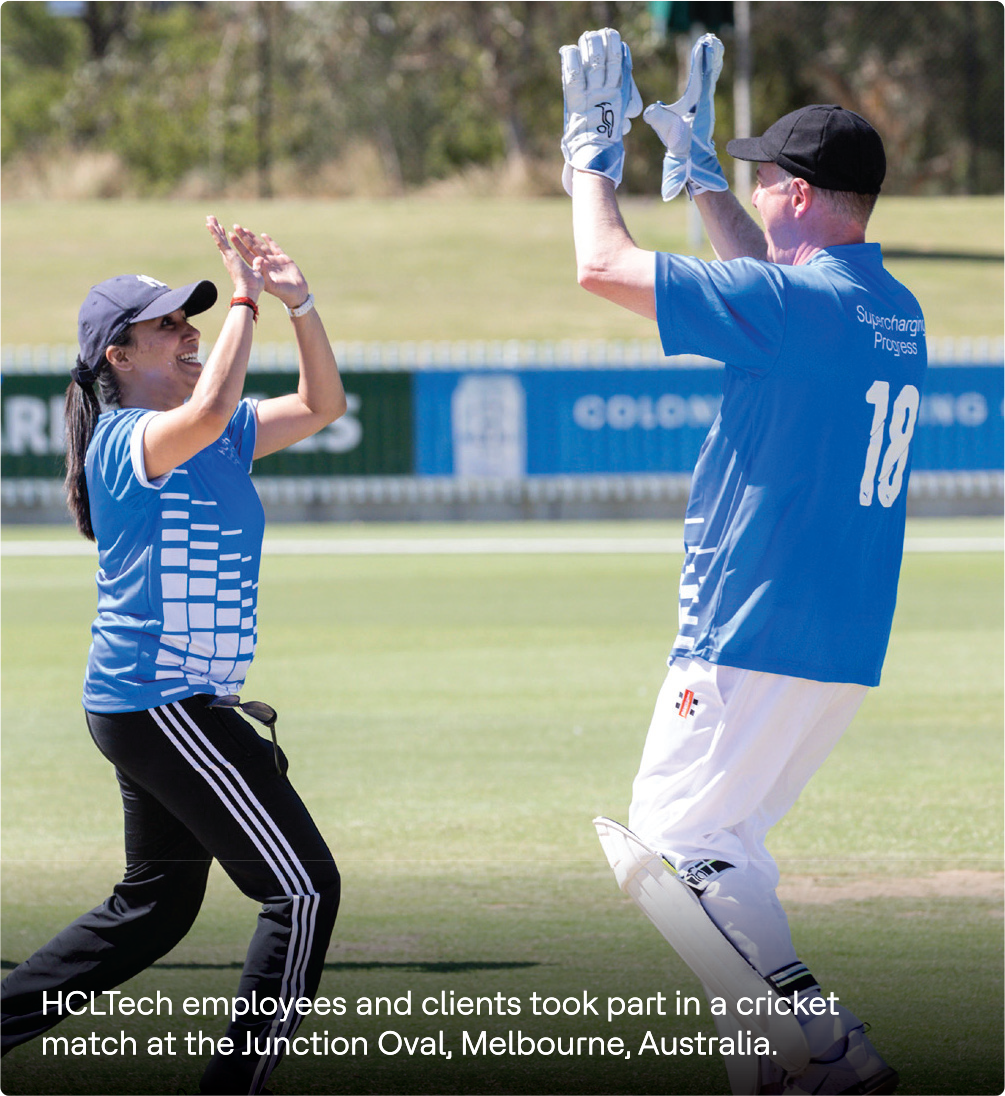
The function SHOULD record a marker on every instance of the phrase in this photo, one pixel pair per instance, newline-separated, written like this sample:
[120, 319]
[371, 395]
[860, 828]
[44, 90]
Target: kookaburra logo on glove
[606, 127]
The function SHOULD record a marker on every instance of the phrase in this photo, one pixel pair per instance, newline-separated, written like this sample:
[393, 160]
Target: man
[795, 524]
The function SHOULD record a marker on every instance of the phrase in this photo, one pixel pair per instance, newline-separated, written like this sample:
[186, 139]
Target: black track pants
[197, 783]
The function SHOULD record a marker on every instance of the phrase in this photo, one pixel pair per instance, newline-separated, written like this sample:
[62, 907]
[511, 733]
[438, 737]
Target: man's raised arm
[608, 262]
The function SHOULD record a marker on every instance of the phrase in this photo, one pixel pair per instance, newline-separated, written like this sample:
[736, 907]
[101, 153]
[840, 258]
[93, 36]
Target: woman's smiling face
[160, 366]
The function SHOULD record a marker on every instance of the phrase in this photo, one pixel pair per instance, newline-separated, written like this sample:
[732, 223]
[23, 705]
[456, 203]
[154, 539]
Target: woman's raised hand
[248, 282]
[280, 274]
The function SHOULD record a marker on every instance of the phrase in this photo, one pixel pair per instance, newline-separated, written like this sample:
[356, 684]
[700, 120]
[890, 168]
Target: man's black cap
[828, 146]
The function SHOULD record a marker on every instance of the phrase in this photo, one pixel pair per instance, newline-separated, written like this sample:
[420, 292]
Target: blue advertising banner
[960, 421]
[536, 422]
[509, 424]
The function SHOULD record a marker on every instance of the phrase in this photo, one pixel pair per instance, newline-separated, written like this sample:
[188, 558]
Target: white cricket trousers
[727, 754]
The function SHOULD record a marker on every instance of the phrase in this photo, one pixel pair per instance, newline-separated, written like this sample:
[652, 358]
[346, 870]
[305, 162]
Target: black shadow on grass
[419, 966]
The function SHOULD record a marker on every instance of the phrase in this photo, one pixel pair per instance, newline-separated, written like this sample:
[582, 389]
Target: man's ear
[801, 196]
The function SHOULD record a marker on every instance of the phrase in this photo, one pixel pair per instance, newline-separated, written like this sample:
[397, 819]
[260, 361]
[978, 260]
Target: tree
[104, 21]
[235, 95]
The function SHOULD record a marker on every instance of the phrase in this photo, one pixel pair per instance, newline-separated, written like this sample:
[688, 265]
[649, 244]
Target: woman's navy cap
[828, 146]
[113, 305]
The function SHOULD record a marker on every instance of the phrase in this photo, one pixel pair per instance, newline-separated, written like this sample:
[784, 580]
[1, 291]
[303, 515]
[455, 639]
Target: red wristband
[248, 302]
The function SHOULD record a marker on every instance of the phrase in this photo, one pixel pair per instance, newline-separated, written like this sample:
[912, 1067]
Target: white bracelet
[303, 309]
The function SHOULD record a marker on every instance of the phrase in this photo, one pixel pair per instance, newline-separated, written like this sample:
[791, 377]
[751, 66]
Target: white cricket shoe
[854, 1069]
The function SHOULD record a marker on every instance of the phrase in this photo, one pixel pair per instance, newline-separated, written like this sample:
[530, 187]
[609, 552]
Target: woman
[160, 479]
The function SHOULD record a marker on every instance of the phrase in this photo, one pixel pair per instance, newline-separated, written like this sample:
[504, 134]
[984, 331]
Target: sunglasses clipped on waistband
[258, 710]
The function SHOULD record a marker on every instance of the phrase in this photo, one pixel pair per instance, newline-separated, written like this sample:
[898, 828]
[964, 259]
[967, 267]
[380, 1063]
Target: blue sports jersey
[178, 566]
[795, 524]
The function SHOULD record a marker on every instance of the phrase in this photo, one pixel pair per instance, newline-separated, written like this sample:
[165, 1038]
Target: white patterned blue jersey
[795, 523]
[178, 566]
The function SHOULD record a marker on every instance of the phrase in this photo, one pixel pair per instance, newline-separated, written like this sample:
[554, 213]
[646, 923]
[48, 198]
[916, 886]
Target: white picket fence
[487, 354]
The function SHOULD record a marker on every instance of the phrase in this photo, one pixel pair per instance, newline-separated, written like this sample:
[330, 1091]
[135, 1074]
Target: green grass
[454, 723]
[419, 269]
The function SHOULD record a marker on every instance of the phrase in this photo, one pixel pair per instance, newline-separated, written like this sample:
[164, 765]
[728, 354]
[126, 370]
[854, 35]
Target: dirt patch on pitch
[820, 890]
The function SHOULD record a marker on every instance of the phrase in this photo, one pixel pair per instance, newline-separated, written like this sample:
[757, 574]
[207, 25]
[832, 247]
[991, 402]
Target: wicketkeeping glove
[685, 127]
[600, 99]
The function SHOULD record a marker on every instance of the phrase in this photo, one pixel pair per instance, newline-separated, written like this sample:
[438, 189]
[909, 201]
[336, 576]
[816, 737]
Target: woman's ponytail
[89, 390]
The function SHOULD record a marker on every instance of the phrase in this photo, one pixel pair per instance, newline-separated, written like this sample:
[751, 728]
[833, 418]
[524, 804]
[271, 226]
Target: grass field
[417, 269]
[454, 722]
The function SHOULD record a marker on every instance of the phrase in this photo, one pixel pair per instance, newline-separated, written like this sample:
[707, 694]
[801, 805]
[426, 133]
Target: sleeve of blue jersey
[109, 459]
[731, 312]
[242, 431]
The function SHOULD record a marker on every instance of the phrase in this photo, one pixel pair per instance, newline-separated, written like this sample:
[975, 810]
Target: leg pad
[677, 913]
